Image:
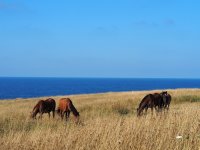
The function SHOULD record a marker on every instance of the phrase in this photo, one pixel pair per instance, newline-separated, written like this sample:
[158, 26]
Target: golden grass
[108, 121]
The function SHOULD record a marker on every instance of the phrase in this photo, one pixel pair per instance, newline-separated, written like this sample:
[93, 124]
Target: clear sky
[100, 38]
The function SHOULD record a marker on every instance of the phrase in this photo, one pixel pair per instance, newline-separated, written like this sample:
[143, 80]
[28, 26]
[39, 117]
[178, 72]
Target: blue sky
[100, 38]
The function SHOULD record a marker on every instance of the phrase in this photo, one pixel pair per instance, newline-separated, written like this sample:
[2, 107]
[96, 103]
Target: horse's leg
[49, 114]
[67, 114]
[146, 108]
[151, 110]
[156, 110]
[62, 115]
[53, 113]
[41, 113]
[167, 107]
[160, 108]
[164, 108]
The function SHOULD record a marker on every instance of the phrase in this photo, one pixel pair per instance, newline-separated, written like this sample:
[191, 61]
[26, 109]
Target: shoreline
[101, 93]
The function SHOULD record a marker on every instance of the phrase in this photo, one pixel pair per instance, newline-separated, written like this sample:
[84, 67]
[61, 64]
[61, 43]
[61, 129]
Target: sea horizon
[101, 77]
[30, 87]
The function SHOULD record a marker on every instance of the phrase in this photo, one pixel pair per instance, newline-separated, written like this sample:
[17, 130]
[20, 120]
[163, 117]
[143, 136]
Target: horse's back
[47, 105]
[147, 100]
[51, 103]
[158, 100]
[50, 100]
[157, 96]
[38, 105]
[64, 104]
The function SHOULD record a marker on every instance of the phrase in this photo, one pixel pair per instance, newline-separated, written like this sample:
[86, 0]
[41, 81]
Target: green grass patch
[186, 98]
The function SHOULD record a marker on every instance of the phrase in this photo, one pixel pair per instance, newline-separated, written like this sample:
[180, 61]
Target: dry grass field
[108, 122]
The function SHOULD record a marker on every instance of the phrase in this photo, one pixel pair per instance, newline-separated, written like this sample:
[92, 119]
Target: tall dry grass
[108, 121]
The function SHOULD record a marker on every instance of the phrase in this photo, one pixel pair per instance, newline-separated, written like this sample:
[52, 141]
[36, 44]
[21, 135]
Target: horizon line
[101, 77]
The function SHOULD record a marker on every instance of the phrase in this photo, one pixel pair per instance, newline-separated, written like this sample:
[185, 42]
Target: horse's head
[77, 114]
[138, 113]
[32, 114]
[164, 93]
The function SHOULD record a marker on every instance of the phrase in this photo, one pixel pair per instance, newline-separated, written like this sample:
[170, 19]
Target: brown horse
[65, 107]
[44, 106]
[147, 102]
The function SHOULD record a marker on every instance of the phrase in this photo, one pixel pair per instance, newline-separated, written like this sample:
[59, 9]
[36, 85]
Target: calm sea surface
[37, 87]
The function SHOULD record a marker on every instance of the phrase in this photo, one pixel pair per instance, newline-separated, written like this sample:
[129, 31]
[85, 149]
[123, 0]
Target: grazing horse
[147, 102]
[65, 107]
[44, 106]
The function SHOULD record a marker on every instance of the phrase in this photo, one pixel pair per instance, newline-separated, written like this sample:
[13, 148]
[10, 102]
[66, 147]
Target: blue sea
[11, 88]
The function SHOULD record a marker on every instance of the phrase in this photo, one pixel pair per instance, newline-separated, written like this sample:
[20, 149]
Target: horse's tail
[73, 109]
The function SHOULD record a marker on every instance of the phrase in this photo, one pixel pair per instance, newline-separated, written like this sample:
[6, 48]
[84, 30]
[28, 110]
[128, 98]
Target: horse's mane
[37, 105]
[73, 109]
[144, 99]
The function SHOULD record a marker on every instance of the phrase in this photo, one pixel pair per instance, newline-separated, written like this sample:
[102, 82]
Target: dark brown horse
[44, 106]
[147, 102]
[65, 107]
